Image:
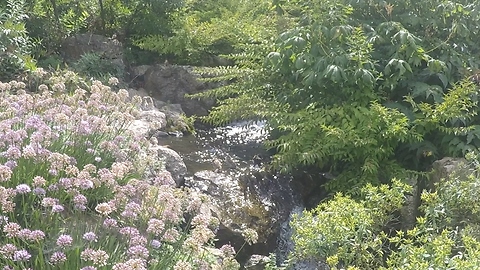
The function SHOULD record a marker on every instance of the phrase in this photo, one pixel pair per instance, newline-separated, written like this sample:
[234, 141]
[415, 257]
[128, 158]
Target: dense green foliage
[367, 90]
[15, 44]
[49, 22]
[205, 29]
[93, 65]
[350, 234]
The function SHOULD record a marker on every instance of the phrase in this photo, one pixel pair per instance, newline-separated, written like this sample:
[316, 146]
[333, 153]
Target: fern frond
[233, 109]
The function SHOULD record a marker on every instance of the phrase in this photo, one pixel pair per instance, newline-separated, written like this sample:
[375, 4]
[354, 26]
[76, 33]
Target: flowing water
[234, 150]
[234, 146]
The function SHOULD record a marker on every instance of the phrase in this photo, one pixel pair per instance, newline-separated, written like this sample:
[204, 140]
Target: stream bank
[223, 163]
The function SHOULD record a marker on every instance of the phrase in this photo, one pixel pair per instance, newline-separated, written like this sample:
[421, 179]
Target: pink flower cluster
[67, 155]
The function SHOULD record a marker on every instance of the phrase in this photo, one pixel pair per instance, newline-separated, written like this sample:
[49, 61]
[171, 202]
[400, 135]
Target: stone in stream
[173, 163]
[148, 122]
[237, 208]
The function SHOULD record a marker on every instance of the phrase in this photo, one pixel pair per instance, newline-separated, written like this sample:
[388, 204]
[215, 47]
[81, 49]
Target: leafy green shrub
[202, 29]
[51, 62]
[51, 21]
[347, 232]
[96, 66]
[352, 234]
[15, 45]
[72, 193]
[358, 89]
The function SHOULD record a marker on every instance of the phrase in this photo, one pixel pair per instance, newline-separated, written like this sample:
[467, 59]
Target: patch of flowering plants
[72, 188]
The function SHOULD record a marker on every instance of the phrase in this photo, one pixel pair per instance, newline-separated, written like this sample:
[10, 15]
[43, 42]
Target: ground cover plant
[351, 233]
[72, 188]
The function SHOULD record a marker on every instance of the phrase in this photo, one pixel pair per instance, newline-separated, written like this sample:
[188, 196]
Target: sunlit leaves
[367, 90]
[347, 229]
[334, 73]
[15, 45]
[397, 67]
[351, 233]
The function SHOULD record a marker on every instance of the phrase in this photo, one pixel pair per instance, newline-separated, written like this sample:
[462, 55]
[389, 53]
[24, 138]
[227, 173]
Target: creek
[234, 151]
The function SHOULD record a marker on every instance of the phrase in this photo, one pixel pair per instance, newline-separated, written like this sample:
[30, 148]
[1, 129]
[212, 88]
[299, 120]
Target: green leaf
[443, 79]
[299, 62]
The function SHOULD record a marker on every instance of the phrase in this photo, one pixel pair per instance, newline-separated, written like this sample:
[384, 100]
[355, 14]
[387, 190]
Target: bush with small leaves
[355, 234]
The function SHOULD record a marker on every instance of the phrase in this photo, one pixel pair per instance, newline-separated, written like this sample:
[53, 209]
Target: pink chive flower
[155, 244]
[21, 255]
[64, 240]
[88, 268]
[104, 209]
[155, 226]
[49, 202]
[98, 257]
[90, 237]
[8, 250]
[36, 235]
[23, 189]
[57, 208]
[5, 173]
[39, 191]
[138, 240]
[129, 231]
[110, 223]
[24, 234]
[11, 229]
[138, 251]
[58, 257]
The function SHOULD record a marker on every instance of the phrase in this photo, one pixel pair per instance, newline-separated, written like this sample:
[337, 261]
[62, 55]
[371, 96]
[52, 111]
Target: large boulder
[148, 122]
[237, 208]
[443, 169]
[172, 162]
[170, 83]
[111, 49]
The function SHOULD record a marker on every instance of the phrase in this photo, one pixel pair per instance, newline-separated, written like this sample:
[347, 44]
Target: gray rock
[170, 83]
[148, 102]
[173, 163]
[443, 169]
[409, 211]
[74, 47]
[139, 71]
[175, 119]
[235, 207]
[148, 122]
